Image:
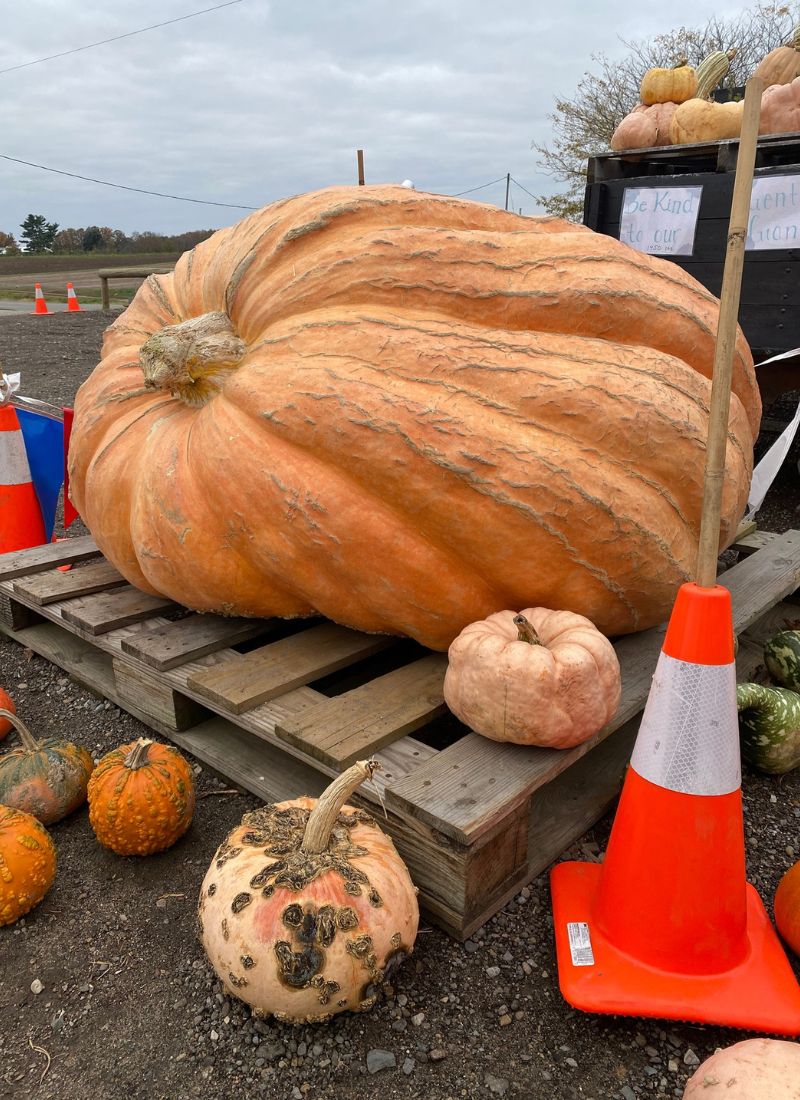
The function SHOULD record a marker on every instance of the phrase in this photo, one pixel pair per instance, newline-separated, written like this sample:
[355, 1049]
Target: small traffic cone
[667, 926]
[21, 523]
[73, 305]
[39, 305]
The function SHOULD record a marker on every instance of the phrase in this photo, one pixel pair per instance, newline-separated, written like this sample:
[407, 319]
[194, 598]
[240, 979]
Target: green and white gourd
[782, 658]
[769, 727]
[711, 71]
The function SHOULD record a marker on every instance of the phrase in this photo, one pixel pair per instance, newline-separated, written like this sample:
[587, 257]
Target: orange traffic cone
[21, 523]
[73, 305]
[39, 305]
[667, 926]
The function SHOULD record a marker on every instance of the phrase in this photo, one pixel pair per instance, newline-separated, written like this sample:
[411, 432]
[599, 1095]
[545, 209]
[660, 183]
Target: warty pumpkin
[7, 704]
[141, 798]
[781, 65]
[27, 863]
[307, 906]
[537, 677]
[780, 109]
[645, 127]
[787, 907]
[673, 85]
[46, 778]
[702, 120]
[404, 411]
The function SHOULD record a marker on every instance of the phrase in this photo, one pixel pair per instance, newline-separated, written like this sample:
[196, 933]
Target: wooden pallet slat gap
[265, 673]
[356, 724]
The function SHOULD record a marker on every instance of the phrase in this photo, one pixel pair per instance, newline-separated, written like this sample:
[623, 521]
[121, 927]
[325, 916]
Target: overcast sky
[269, 98]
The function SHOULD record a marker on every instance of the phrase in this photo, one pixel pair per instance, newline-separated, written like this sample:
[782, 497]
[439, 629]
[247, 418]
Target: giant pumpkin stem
[526, 632]
[323, 816]
[137, 757]
[29, 742]
[191, 360]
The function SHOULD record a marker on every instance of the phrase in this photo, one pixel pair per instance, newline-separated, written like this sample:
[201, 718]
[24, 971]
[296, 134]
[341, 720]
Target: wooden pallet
[278, 707]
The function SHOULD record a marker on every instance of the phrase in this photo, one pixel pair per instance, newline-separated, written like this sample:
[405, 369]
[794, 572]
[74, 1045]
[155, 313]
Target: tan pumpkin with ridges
[701, 120]
[537, 677]
[673, 85]
[781, 65]
[411, 437]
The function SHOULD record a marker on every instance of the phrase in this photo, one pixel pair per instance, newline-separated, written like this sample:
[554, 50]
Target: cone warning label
[580, 943]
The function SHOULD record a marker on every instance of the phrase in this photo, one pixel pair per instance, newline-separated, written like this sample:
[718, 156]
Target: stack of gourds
[677, 108]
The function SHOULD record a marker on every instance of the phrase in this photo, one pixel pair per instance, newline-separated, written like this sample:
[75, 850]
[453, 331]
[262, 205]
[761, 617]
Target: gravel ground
[129, 1008]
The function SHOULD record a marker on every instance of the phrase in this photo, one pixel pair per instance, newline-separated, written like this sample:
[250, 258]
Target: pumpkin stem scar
[192, 359]
[323, 816]
[526, 632]
[29, 742]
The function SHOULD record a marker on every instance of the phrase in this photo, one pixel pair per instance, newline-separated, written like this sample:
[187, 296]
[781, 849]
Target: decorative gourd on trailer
[405, 411]
[782, 64]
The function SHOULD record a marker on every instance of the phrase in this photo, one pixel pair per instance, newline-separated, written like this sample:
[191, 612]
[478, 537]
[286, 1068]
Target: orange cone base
[760, 994]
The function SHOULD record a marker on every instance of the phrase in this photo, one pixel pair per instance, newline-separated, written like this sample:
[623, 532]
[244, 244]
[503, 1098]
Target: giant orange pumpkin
[404, 411]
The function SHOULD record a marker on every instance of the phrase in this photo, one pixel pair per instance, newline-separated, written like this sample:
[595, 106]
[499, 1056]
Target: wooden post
[708, 548]
[360, 155]
[106, 301]
[508, 187]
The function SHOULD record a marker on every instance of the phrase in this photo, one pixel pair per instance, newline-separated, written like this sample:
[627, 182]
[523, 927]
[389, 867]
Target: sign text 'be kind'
[660, 220]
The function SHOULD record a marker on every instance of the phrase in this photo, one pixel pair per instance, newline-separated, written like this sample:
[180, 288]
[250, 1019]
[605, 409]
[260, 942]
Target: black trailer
[770, 304]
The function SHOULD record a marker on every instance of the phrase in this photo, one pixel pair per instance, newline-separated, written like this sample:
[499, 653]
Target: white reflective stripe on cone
[14, 468]
[689, 737]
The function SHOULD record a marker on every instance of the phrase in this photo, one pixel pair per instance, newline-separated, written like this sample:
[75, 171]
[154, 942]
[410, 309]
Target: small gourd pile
[769, 716]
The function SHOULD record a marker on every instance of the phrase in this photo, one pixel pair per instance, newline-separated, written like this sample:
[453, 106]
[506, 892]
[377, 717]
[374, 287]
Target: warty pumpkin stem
[323, 817]
[29, 742]
[526, 632]
[137, 757]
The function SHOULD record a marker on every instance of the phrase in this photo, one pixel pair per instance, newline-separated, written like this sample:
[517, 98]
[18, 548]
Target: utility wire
[525, 189]
[124, 187]
[119, 37]
[471, 189]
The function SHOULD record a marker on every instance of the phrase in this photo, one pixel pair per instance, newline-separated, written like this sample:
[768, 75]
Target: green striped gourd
[711, 71]
[782, 658]
[769, 727]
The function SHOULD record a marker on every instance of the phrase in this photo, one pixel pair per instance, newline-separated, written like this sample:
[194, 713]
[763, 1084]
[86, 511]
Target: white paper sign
[660, 220]
[774, 213]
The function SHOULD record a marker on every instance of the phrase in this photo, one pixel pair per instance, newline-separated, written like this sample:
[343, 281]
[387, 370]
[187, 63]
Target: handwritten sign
[660, 220]
[774, 213]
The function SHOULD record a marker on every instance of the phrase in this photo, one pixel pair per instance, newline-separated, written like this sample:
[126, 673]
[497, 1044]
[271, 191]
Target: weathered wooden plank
[359, 722]
[38, 558]
[256, 677]
[752, 541]
[153, 697]
[173, 644]
[50, 587]
[470, 785]
[16, 615]
[110, 610]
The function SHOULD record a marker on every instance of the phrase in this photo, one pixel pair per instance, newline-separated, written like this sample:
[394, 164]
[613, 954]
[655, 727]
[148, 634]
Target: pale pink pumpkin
[539, 677]
[780, 109]
[307, 906]
[646, 127]
[756, 1069]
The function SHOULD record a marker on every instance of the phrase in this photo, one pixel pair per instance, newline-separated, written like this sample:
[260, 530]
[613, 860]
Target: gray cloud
[262, 100]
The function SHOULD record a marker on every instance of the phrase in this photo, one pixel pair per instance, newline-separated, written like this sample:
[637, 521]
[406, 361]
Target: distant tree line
[37, 234]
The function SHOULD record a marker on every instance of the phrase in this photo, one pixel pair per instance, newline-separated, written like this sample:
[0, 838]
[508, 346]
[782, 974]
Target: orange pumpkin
[6, 704]
[540, 677]
[787, 907]
[645, 127]
[45, 778]
[673, 85]
[141, 798]
[781, 65]
[383, 406]
[27, 863]
[780, 109]
[307, 907]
